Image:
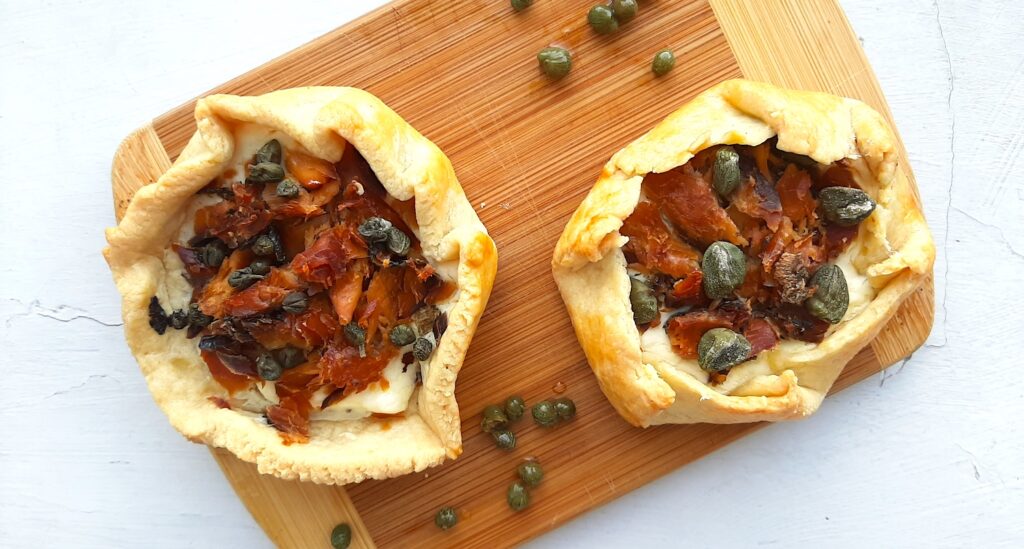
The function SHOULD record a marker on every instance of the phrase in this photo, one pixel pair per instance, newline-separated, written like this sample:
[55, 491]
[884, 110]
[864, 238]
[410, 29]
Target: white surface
[929, 454]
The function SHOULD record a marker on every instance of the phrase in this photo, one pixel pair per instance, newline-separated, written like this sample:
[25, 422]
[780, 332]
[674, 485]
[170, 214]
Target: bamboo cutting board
[526, 151]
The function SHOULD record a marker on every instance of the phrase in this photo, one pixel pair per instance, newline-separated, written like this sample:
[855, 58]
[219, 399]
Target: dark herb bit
[196, 318]
[544, 414]
[265, 172]
[625, 10]
[259, 267]
[421, 348]
[446, 518]
[520, 5]
[287, 188]
[602, 19]
[565, 408]
[494, 419]
[355, 334]
[531, 473]
[264, 245]
[268, 367]
[269, 152]
[243, 278]
[295, 303]
[440, 326]
[831, 297]
[179, 319]
[375, 229]
[290, 357]
[555, 62]
[515, 407]
[721, 348]
[157, 317]
[518, 496]
[213, 254]
[398, 242]
[506, 440]
[424, 317]
[402, 335]
[341, 536]
[664, 62]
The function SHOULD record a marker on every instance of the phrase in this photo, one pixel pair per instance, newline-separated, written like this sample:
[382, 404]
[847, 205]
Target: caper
[724, 267]
[544, 413]
[625, 10]
[269, 152]
[421, 348]
[265, 172]
[213, 254]
[290, 357]
[565, 408]
[720, 349]
[196, 318]
[295, 303]
[642, 301]
[264, 245]
[727, 171]
[446, 518]
[341, 536]
[494, 419]
[259, 266]
[268, 367]
[179, 319]
[402, 335]
[531, 473]
[515, 407]
[504, 439]
[355, 334]
[664, 61]
[287, 189]
[845, 206]
[555, 62]
[375, 229]
[518, 496]
[398, 242]
[602, 19]
[520, 5]
[243, 278]
[831, 295]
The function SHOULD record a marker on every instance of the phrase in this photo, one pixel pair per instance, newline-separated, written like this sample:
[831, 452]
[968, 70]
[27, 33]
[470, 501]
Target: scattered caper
[269, 152]
[265, 172]
[518, 496]
[720, 349]
[295, 303]
[290, 357]
[831, 295]
[724, 267]
[375, 229]
[179, 319]
[664, 61]
[544, 413]
[845, 206]
[446, 518]
[531, 473]
[625, 10]
[727, 171]
[243, 278]
[520, 5]
[268, 367]
[515, 407]
[565, 408]
[213, 254]
[398, 242]
[642, 301]
[259, 267]
[355, 334]
[494, 419]
[504, 439]
[555, 62]
[196, 318]
[287, 189]
[264, 245]
[341, 536]
[421, 348]
[602, 19]
[402, 335]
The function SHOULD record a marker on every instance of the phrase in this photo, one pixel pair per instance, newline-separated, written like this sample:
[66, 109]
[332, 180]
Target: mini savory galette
[730, 262]
[302, 285]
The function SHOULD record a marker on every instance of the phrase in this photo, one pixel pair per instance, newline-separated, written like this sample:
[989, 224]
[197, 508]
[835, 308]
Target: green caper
[727, 171]
[642, 301]
[724, 267]
[265, 172]
[196, 317]
[264, 246]
[421, 348]
[341, 536]
[259, 267]
[402, 335]
[446, 518]
[565, 408]
[178, 319]
[268, 367]
[515, 407]
[531, 473]
[720, 349]
[504, 439]
[520, 5]
[518, 496]
[625, 10]
[269, 152]
[290, 357]
[555, 62]
[494, 419]
[213, 254]
[845, 206]
[287, 189]
[243, 278]
[831, 295]
[355, 334]
[398, 242]
[544, 414]
[664, 61]
[295, 303]
[602, 19]
[375, 229]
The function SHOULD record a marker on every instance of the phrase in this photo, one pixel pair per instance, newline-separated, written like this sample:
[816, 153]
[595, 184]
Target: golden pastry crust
[896, 253]
[322, 120]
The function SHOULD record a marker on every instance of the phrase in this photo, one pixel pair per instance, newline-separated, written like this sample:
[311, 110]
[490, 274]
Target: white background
[928, 454]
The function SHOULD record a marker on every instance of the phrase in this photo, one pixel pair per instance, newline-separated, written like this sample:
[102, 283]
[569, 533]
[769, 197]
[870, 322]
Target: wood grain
[526, 151]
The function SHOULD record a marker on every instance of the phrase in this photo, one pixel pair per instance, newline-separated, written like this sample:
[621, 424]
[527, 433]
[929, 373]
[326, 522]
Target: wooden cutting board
[526, 151]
